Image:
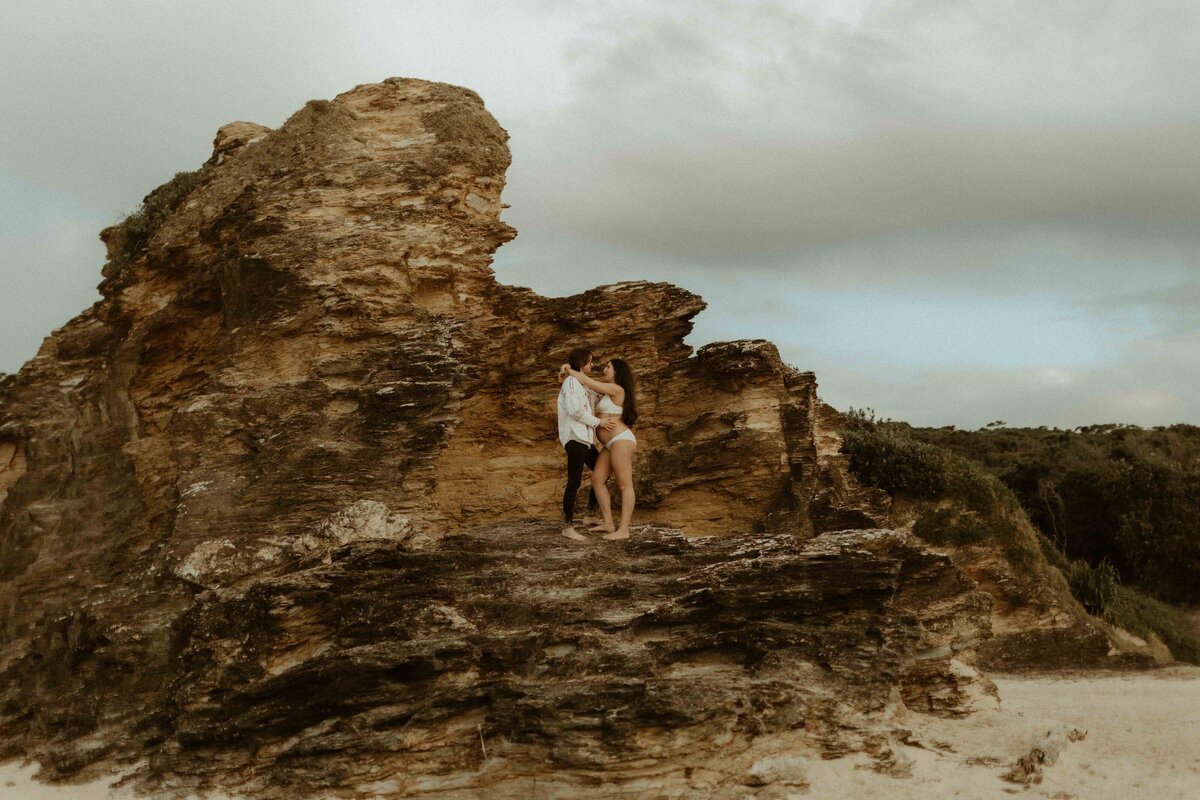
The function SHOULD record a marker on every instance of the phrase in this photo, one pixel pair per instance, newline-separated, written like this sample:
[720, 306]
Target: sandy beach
[1143, 741]
[1143, 732]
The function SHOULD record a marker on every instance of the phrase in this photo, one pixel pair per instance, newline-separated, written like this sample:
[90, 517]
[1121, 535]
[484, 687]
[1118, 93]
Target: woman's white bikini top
[607, 406]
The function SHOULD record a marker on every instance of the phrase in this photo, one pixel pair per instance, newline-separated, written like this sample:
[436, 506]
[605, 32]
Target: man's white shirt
[575, 418]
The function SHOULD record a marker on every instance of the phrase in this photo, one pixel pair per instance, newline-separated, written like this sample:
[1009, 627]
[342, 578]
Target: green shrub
[1021, 553]
[1100, 591]
[136, 229]
[1052, 554]
[883, 455]
[945, 526]
[1143, 615]
[895, 465]
[1115, 492]
[1094, 587]
[964, 480]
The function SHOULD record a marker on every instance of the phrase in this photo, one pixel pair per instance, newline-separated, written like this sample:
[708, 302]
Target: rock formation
[667, 662]
[269, 509]
[1036, 623]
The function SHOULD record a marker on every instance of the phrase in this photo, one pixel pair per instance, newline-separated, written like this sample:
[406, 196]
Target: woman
[618, 403]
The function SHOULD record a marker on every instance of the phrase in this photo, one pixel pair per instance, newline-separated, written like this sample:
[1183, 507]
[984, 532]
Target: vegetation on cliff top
[133, 232]
[1114, 493]
[1100, 591]
[1116, 508]
[883, 454]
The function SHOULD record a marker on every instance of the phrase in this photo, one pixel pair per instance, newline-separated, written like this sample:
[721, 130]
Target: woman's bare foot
[573, 534]
[620, 533]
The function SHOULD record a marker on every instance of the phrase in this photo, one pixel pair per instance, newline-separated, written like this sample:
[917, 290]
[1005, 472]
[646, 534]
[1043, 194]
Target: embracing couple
[595, 419]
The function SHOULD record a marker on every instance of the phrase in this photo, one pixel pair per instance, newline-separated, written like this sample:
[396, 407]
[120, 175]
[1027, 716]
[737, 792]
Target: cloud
[953, 211]
[1030, 335]
[722, 129]
[958, 211]
[108, 100]
[105, 101]
[1137, 387]
[712, 196]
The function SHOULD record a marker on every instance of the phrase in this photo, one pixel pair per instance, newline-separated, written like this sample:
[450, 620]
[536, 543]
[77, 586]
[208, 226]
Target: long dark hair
[623, 377]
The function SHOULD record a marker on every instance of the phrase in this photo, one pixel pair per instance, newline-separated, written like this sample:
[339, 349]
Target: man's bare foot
[590, 520]
[571, 533]
[602, 527]
[619, 533]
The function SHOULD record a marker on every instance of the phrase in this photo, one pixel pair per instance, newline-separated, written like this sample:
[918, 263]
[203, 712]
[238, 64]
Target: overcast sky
[954, 211]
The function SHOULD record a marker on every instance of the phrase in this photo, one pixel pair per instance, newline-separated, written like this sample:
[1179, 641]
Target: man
[577, 434]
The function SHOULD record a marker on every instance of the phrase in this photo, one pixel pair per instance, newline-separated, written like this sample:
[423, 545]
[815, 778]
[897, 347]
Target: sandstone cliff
[233, 497]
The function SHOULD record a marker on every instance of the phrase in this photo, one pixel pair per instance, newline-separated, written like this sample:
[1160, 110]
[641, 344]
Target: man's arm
[599, 387]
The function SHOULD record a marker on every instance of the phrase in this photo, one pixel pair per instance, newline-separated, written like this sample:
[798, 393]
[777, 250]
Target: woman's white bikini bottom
[624, 436]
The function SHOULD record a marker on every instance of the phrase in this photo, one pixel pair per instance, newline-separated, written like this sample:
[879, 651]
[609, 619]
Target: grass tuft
[1100, 591]
[1142, 615]
[135, 230]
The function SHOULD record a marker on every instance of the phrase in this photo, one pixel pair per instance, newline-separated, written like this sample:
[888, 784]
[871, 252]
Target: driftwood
[1044, 753]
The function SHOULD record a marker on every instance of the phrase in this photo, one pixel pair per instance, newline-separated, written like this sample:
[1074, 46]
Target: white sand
[1143, 732]
[16, 781]
[1143, 741]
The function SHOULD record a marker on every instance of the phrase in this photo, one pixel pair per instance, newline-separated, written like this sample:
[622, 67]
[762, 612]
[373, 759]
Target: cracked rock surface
[601, 663]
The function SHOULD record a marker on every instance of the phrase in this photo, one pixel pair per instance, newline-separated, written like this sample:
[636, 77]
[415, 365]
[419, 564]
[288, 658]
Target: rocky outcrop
[674, 664]
[1037, 625]
[233, 137]
[232, 496]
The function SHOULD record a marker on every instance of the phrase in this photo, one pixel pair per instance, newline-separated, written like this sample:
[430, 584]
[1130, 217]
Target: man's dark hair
[578, 357]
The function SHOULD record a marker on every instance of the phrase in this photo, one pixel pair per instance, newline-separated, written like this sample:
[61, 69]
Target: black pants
[578, 454]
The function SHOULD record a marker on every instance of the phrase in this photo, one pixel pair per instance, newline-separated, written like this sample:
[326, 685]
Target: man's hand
[608, 424]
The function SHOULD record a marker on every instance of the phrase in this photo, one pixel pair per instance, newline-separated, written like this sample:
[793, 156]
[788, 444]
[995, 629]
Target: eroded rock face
[578, 664]
[290, 398]
[1037, 625]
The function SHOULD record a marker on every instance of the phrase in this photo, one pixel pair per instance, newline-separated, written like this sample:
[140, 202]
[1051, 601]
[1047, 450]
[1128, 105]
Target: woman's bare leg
[621, 456]
[600, 475]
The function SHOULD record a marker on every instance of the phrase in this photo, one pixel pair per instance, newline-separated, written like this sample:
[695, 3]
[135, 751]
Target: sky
[953, 211]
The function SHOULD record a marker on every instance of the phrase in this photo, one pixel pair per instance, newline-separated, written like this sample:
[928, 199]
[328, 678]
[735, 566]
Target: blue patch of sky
[881, 329]
[50, 259]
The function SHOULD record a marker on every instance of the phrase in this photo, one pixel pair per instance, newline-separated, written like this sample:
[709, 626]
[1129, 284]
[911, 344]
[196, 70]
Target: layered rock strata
[1037, 625]
[230, 491]
[665, 667]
